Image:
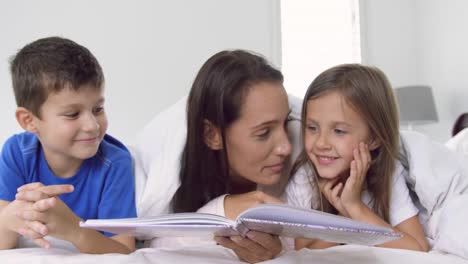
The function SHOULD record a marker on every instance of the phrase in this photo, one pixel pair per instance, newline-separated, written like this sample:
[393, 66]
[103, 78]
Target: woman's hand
[255, 247]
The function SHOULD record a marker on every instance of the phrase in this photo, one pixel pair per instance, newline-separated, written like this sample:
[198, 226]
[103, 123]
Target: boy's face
[71, 127]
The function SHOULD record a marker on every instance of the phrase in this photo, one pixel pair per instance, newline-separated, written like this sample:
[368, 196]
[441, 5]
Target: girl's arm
[313, 244]
[413, 237]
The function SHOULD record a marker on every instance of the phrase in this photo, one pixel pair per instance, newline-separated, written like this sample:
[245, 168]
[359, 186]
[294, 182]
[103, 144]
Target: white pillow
[156, 157]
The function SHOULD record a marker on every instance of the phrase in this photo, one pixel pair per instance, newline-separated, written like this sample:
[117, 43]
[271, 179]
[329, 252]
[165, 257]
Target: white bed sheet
[215, 254]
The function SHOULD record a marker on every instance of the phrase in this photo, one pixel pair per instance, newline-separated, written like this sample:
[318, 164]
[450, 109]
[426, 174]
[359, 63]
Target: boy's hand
[31, 229]
[41, 199]
[59, 220]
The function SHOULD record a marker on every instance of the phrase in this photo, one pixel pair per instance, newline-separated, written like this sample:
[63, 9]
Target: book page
[177, 225]
[289, 221]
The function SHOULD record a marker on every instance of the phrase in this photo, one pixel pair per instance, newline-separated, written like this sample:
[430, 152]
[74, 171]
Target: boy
[58, 86]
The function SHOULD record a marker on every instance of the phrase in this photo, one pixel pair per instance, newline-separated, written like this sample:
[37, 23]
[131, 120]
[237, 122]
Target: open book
[275, 219]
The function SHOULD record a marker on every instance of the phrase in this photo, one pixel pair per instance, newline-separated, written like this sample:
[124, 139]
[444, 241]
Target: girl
[351, 147]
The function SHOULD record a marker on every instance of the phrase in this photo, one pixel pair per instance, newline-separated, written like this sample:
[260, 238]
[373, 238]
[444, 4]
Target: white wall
[421, 42]
[150, 50]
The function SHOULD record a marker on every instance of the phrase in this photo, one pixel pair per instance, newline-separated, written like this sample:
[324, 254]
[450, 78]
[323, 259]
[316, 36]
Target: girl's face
[333, 130]
[257, 143]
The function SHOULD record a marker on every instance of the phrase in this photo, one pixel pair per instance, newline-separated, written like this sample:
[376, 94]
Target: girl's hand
[346, 197]
[351, 195]
[332, 189]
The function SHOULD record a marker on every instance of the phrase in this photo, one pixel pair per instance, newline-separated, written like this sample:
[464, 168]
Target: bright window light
[315, 36]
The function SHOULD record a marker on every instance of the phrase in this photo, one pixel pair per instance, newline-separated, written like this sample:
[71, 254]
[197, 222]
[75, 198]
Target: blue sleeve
[11, 169]
[118, 197]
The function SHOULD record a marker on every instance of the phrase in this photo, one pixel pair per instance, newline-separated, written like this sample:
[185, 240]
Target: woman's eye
[264, 134]
[98, 110]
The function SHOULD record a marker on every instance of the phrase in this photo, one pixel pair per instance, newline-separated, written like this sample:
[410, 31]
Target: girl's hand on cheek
[332, 190]
[351, 195]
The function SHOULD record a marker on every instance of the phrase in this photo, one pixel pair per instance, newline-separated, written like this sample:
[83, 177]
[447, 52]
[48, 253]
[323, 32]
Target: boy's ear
[26, 119]
[212, 135]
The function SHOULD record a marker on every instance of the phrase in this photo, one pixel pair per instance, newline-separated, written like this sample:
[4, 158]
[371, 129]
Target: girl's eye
[312, 128]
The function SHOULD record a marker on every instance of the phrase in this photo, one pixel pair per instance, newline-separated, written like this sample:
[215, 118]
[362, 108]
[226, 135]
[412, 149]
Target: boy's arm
[11, 225]
[62, 223]
[8, 238]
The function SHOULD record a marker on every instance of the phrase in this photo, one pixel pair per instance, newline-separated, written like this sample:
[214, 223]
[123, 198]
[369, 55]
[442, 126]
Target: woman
[236, 151]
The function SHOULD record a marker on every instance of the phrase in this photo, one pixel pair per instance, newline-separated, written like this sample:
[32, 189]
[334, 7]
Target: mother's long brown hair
[368, 91]
[216, 95]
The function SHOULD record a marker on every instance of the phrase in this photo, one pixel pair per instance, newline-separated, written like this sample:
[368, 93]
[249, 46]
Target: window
[315, 36]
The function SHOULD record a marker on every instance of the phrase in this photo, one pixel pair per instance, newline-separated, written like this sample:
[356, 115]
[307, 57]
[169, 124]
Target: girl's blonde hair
[367, 90]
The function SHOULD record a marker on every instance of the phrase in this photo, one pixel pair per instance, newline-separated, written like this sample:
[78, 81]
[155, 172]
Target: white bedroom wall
[150, 50]
[421, 42]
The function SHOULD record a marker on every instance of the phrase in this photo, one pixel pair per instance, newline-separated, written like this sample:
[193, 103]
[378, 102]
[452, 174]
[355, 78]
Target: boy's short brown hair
[50, 65]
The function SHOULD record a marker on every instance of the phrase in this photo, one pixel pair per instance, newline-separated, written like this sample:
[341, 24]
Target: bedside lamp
[416, 104]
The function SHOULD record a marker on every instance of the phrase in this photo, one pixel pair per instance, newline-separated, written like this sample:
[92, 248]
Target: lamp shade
[416, 104]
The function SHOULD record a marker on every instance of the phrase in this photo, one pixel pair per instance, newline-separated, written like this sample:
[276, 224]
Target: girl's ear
[26, 120]
[374, 144]
[212, 135]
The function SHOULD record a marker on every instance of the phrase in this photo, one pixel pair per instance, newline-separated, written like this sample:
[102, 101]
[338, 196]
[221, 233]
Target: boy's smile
[71, 127]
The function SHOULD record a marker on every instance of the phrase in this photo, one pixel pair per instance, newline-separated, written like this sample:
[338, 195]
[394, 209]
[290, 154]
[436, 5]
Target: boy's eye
[72, 114]
[340, 131]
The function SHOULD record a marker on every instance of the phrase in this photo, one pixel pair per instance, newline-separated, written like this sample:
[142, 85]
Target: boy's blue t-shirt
[104, 185]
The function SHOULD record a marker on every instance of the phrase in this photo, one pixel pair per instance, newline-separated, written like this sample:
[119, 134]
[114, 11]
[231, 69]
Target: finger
[31, 215]
[267, 241]
[357, 159]
[38, 227]
[45, 204]
[250, 252]
[336, 191]
[30, 186]
[42, 242]
[353, 174]
[31, 234]
[31, 195]
[54, 190]
[366, 155]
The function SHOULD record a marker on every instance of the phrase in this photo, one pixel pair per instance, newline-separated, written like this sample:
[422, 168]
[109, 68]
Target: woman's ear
[26, 119]
[212, 135]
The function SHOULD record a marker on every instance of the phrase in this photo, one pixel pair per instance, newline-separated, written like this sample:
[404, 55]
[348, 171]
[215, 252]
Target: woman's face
[257, 143]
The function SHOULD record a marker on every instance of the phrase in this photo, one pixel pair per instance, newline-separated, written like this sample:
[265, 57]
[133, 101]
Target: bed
[437, 175]
[215, 254]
